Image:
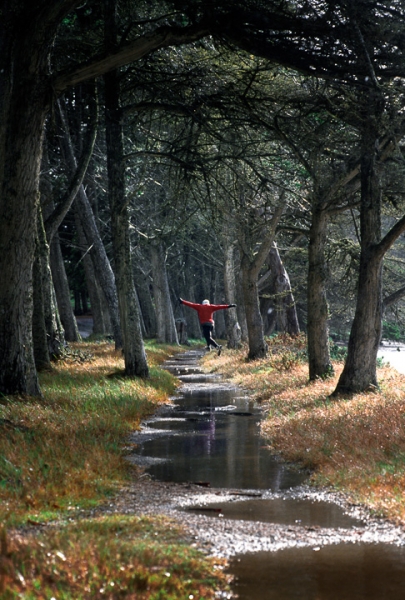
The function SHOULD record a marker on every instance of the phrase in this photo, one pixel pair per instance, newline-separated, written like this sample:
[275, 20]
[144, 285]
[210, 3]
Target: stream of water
[211, 437]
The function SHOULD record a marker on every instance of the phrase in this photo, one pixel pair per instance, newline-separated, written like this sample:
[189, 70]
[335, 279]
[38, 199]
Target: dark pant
[207, 329]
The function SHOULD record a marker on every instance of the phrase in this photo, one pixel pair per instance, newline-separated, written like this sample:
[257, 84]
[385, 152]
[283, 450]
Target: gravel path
[227, 537]
[219, 536]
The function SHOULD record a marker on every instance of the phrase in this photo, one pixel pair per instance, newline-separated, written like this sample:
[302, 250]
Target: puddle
[211, 436]
[285, 511]
[339, 572]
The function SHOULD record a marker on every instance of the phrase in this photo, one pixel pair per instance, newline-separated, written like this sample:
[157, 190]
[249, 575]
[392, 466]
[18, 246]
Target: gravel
[228, 537]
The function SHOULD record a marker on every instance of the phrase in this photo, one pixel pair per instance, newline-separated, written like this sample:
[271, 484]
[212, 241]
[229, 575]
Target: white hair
[205, 302]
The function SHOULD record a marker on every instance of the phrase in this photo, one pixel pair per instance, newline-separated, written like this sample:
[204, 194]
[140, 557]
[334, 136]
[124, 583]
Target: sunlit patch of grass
[108, 557]
[356, 444]
[66, 449]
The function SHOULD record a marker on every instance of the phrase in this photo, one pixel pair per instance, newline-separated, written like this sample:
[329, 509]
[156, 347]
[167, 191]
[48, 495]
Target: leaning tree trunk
[97, 251]
[360, 370]
[134, 350]
[60, 318]
[318, 312]
[145, 301]
[166, 326]
[99, 306]
[253, 257]
[287, 319]
[54, 330]
[101, 263]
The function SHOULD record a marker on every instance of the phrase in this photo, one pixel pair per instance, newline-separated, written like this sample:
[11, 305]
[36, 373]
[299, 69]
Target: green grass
[109, 557]
[64, 454]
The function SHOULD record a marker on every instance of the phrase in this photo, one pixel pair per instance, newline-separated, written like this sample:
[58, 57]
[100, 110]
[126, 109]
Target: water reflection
[217, 443]
[285, 511]
[341, 572]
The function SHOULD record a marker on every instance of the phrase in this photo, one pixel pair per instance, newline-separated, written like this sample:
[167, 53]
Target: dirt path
[226, 537]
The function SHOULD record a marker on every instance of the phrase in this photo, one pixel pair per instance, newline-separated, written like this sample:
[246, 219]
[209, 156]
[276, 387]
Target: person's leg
[212, 341]
[207, 335]
[207, 331]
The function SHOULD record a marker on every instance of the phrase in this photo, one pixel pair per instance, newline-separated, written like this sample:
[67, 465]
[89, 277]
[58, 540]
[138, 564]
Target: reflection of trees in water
[219, 447]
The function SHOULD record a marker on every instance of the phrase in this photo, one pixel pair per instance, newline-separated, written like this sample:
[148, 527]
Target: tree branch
[55, 219]
[392, 298]
[161, 38]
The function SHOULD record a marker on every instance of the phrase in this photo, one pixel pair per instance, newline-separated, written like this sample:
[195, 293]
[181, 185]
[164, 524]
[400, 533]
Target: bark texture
[318, 313]
[233, 329]
[360, 370]
[134, 351]
[166, 326]
[62, 292]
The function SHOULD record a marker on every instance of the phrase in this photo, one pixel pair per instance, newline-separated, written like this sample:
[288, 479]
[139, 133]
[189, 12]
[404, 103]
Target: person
[205, 312]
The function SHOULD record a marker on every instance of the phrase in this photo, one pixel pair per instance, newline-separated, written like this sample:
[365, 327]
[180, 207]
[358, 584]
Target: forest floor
[78, 522]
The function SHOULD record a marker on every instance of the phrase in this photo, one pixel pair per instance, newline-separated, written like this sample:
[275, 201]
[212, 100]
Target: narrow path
[213, 530]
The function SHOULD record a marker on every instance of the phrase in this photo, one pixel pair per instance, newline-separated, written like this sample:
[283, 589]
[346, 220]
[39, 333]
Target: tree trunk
[240, 303]
[257, 344]
[54, 330]
[95, 245]
[166, 326]
[253, 256]
[318, 313]
[62, 292]
[99, 306]
[134, 351]
[360, 370]
[22, 122]
[41, 350]
[287, 320]
[233, 329]
[142, 286]
[101, 264]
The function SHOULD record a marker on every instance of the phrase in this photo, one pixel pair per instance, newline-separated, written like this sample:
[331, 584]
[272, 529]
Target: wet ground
[207, 465]
[394, 354]
[85, 325]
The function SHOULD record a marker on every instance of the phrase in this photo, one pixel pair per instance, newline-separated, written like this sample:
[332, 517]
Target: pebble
[227, 537]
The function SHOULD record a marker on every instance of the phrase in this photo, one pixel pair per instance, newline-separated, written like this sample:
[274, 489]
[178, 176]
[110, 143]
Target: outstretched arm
[194, 305]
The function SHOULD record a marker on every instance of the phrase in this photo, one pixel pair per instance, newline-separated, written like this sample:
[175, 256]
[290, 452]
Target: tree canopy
[270, 116]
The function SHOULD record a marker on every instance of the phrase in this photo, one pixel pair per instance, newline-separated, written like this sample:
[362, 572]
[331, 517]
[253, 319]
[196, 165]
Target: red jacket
[205, 311]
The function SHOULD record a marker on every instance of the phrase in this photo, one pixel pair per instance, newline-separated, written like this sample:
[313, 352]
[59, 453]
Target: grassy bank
[355, 444]
[61, 456]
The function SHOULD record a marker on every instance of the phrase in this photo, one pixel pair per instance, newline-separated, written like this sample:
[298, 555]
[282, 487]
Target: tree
[27, 32]
[284, 32]
[134, 352]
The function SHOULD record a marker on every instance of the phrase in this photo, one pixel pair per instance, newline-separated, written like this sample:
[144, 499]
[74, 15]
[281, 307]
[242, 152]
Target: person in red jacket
[205, 312]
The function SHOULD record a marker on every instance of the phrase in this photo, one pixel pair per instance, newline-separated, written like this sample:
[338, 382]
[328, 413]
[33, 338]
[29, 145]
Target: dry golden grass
[67, 447]
[356, 444]
[62, 455]
[117, 556]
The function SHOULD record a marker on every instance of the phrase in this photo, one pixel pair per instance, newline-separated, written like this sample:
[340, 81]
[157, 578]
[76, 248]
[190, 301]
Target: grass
[61, 456]
[354, 444]
[132, 557]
